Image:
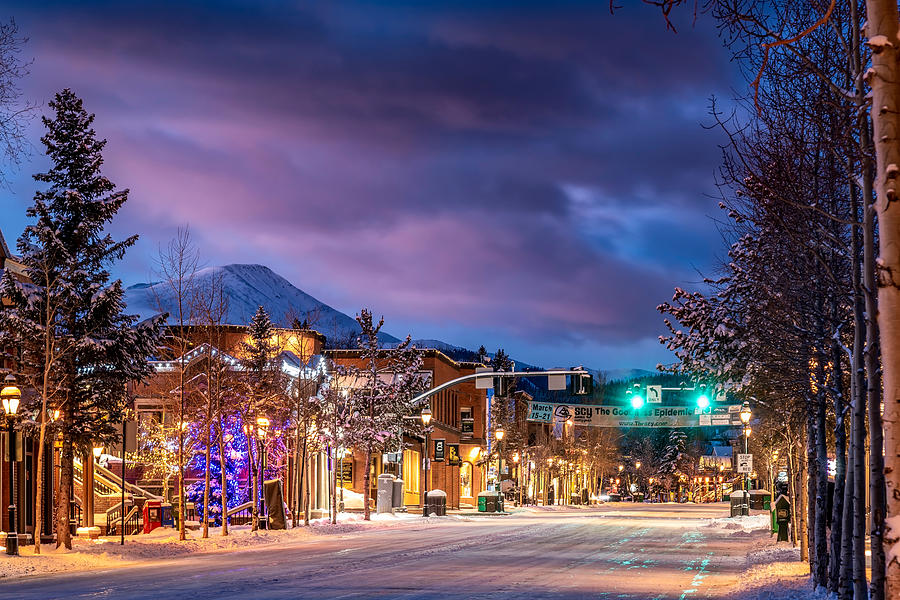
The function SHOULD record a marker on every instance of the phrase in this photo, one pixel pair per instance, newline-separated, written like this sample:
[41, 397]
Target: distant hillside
[248, 287]
[627, 374]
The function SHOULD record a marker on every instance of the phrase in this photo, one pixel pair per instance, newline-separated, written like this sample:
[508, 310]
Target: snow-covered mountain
[248, 287]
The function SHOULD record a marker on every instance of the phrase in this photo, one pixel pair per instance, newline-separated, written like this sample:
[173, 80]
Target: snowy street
[616, 551]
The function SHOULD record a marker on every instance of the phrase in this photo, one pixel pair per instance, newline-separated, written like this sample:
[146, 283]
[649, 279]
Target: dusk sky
[532, 176]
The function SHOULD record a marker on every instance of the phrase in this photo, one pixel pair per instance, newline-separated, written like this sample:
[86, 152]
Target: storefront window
[465, 479]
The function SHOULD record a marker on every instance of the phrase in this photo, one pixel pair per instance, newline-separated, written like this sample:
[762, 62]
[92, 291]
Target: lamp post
[426, 420]
[262, 425]
[11, 395]
[746, 414]
[637, 468]
[499, 433]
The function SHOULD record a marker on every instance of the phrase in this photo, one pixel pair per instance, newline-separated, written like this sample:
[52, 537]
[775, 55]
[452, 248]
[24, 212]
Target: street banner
[439, 450]
[453, 458]
[625, 416]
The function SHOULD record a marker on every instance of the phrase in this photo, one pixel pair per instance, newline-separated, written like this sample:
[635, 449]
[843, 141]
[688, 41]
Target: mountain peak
[247, 287]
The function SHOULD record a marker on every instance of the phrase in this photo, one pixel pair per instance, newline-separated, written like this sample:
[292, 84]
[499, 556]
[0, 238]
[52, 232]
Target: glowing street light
[426, 416]
[745, 413]
[11, 395]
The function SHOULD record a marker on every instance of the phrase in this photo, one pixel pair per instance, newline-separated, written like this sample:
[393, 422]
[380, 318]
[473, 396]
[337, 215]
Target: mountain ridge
[247, 287]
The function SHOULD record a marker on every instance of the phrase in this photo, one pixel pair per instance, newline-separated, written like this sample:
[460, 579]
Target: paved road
[620, 551]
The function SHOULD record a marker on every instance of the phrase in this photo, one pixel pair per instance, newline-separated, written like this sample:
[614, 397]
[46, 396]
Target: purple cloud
[533, 176]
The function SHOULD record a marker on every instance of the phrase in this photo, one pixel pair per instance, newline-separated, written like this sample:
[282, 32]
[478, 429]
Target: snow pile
[742, 524]
[785, 579]
[782, 552]
[163, 543]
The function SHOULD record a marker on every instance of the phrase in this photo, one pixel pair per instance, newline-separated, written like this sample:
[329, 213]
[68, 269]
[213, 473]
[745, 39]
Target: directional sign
[745, 463]
[654, 394]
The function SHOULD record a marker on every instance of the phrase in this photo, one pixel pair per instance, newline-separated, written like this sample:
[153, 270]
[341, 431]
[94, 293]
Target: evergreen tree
[673, 456]
[79, 350]
[266, 392]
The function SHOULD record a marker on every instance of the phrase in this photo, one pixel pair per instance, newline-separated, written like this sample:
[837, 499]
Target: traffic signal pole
[493, 374]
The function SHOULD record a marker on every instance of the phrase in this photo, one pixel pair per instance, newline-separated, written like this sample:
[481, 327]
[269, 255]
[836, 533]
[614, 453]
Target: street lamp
[426, 415]
[262, 426]
[746, 414]
[499, 433]
[11, 395]
[98, 450]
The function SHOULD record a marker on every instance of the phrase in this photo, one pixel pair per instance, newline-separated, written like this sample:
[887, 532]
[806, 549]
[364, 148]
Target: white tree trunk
[882, 28]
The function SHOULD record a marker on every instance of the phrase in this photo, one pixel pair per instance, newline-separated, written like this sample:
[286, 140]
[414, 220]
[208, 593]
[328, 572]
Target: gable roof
[4, 249]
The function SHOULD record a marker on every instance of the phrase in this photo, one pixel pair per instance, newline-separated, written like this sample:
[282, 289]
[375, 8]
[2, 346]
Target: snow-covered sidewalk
[163, 543]
[774, 569]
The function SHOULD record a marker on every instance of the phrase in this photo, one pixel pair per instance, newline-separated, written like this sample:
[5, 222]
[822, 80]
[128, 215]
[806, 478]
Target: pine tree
[266, 392]
[672, 459]
[79, 350]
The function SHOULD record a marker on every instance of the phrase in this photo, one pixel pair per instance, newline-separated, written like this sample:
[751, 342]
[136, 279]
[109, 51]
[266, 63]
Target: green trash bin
[482, 503]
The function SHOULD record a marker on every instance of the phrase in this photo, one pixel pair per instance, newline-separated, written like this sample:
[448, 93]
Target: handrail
[238, 508]
[103, 477]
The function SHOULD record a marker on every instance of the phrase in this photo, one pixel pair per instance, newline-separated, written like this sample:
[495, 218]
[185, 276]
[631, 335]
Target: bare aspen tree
[178, 264]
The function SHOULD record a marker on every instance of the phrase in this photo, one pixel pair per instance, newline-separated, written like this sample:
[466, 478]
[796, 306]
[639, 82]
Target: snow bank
[742, 524]
[777, 574]
[163, 543]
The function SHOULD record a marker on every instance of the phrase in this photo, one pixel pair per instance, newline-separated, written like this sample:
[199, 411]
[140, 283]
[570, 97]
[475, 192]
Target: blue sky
[532, 176]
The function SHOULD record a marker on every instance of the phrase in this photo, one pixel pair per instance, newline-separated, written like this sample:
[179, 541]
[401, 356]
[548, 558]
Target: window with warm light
[412, 471]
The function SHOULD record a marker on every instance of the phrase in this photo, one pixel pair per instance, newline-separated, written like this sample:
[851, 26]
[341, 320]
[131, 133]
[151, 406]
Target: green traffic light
[703, 401]
[637, 401]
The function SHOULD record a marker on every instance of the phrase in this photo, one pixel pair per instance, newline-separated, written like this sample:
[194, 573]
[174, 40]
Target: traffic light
[702, 397]
[581, 384]
[635, 397]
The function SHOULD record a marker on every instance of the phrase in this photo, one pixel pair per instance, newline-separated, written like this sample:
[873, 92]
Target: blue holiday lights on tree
[235, 464]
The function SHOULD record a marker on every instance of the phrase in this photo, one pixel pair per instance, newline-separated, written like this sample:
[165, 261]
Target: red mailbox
[152, 515]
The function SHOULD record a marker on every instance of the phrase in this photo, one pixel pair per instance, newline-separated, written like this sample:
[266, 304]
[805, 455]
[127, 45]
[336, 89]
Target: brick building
[458, 427]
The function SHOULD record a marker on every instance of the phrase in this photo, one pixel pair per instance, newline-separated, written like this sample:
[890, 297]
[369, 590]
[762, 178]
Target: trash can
[385, 496]
[397, 497]
[436, 503]
[740, 503]
[488, 501]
